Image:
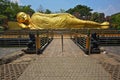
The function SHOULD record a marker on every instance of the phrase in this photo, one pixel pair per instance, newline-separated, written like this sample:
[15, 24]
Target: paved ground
[7, 51]
[113, 49]
[71, 64]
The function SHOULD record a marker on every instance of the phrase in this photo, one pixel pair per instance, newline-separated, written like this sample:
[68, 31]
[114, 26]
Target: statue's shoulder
[38, 13]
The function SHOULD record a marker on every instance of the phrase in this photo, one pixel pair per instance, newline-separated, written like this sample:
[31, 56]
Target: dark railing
[20, 38]
[105, 38]
[79, 36]
[13, 42]
[109, 41]
[81, 42]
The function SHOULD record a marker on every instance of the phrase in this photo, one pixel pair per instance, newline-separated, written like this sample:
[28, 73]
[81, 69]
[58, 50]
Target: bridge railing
[81, 37]
[20, 38]
[105, 38]
[81, 40]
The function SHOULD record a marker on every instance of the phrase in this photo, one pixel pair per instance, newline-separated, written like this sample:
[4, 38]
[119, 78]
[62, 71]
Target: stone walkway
[71, 64]
[7, 51]
[113, 49]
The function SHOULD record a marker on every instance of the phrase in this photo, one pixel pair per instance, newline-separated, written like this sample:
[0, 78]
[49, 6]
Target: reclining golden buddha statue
[56, 21]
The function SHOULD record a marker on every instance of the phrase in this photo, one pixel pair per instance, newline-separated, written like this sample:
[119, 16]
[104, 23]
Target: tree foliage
[98, 17]
[47, 11]
[10, 9]
[82, 9]
[115, 20]
[95, 16]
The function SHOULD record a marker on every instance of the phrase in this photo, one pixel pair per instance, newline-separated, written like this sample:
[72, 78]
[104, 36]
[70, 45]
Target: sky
[108, 7]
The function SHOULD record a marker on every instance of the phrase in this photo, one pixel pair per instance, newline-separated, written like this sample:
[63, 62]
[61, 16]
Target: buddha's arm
[22, 25]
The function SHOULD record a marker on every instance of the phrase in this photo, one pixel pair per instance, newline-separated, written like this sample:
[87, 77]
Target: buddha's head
[22, 17]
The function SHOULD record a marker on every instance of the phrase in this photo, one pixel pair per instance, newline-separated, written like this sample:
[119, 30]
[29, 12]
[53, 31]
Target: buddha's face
[23, 17]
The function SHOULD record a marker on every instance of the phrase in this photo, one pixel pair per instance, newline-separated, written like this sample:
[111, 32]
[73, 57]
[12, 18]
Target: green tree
[3, 5]
[98, 17]
[10, 9]
[82, 9]
[47, 11]
[115, 20]
[101, 17]
[27, 9]
[95, 17]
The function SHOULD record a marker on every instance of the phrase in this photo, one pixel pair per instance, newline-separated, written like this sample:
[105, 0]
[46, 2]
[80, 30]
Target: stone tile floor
[71, 64]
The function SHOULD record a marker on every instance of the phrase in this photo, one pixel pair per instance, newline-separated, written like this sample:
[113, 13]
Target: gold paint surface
[56, 21]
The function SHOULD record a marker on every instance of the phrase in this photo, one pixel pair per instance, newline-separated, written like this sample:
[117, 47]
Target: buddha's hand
[23, 26]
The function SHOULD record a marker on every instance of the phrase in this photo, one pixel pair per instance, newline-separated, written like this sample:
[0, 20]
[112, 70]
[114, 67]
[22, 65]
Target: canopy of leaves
[95, 16]
[3, 17]
[98, 17]
[10, 9]
[82, 9]
[115, 20]
[47, 11]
